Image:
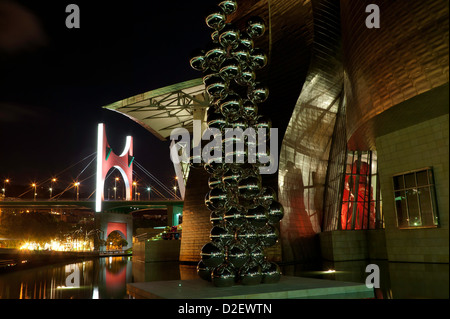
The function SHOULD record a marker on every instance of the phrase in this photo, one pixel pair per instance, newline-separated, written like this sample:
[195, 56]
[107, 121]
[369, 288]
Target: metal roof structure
[162, 110]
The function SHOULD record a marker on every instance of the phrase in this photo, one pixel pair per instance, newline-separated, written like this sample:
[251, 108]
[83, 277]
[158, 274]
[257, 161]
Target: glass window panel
[422, 178]
[413, 207]
[433, 203]
[400, 206]
[426, 208]
[410, 180]
[398, 182]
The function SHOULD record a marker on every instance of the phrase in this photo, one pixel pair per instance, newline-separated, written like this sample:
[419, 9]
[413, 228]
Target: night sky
[55, 80]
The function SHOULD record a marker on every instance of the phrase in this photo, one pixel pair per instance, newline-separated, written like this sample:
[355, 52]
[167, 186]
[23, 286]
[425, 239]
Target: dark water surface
[106, 278]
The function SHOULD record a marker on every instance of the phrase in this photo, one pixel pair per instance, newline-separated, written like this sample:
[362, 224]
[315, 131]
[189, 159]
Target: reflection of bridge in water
[115, 215]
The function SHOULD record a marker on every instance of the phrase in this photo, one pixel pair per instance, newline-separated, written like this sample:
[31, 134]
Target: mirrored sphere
[228, 6]
[216, 218]
[249, 187]
[223, 276]
[198, 61]
[258, 59]
[234, 217]
[250, 109]
[271, 273]
[216, 20]
[215, 55]
[221, 236]
[242, 54]
[251, 275]
[217, 198]
[268, 195]
[204, 272]
[268, 236]
[257, 255]
[275, 212]
[247, 236]
[230, 69]
[229, 37]
[231, 177]
[212, 255]
[246, 78]
[214, 84]
[257, 216]
[231, 105]
[256, 27]
[216, 120]
[247, 42]
[237, 256]
[258, 94]
[214, 182]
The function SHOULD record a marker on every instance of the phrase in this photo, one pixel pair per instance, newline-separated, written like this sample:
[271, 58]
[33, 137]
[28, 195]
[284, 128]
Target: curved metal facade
[306, 145]
[405, 57]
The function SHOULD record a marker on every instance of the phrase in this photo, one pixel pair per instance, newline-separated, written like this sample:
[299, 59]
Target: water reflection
[106, 278]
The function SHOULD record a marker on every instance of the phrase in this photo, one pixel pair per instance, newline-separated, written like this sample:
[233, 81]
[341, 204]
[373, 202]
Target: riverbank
[16, 259]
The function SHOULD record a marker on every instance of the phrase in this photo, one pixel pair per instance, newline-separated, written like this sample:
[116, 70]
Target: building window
[361, 197]
[415, 199]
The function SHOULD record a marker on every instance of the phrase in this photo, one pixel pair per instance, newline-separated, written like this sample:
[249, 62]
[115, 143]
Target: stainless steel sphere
[251, 275]
[212, 255]
[275, 212]
[223, 276]
[203, 271]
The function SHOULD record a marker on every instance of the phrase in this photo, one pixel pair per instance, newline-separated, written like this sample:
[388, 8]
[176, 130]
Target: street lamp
[135, 190]
[6, 181]
[77, 184]
[34, 186]
[51, 186]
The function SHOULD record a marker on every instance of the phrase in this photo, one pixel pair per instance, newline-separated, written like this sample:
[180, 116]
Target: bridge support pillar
[174, 215]
[109, 222]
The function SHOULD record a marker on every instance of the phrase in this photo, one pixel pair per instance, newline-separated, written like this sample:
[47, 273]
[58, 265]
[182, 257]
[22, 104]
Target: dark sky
[54, 80]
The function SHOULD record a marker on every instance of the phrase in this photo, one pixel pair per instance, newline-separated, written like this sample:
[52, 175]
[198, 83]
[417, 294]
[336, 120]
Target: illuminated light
[100, 181]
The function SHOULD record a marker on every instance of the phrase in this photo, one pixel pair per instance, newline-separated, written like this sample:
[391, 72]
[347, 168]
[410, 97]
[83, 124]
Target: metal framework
[162, 110]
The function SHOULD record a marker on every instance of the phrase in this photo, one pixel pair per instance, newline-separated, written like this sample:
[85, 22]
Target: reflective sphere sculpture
[214, 84]
[228, 6]
[237, 256]
[256, 27]
[212, 255]
[230, 69]
[268, 236]
[229, 37]
[198, 61]
[258, 59]
[257, 216]
[248, 236]
[217, 197]
[234, 217]
[243, 212]
[251, 275]
[203, 271]
[275, 212]
[223, 276]
[216, 20]
[258, 94]
[220, 236]
[271, 273]
[216, 218]
[249, 187]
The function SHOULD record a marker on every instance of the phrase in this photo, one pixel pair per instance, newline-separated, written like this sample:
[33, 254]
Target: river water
[107, 277]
